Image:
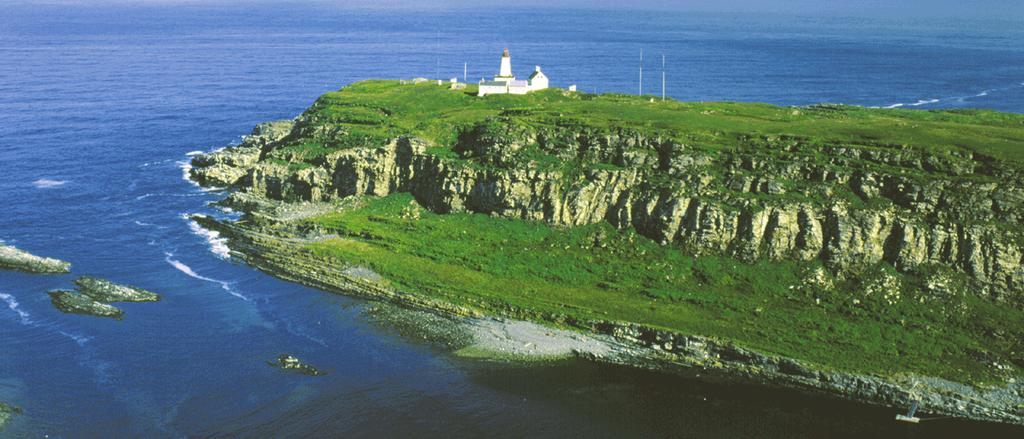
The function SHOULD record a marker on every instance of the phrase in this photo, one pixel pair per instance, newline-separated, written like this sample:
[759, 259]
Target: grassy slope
[487, 262]
[385, 108]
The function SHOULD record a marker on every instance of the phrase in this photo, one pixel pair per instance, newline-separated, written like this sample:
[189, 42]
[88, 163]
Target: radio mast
[641, 72]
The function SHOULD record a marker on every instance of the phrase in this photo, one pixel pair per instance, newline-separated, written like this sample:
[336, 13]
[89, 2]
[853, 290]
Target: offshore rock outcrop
[72, 302]
[14, 259]
[289, 363]
[6, 413]
[849, 206]
[106, 291]
[94, 296]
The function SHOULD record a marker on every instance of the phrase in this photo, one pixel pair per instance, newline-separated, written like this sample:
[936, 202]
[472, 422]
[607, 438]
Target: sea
[101, 108]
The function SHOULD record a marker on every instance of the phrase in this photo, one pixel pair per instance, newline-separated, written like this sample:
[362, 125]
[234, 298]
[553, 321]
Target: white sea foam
[26, 319]
[193, 153]
[218, 245]
[80, 339]
[13, 305]
[191, 273]
[46, 183]
[924, 102]
[894, 106]
[186, 167]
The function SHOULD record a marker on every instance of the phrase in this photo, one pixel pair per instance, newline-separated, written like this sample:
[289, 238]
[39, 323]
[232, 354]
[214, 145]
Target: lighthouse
[505, 73]
[506, 83]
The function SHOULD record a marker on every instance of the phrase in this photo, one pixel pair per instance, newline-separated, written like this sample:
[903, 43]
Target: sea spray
[218, 245]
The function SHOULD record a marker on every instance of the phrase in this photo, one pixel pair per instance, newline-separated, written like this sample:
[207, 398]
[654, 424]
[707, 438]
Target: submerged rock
[78, 303]
[290, 363]
[6, 413]
[14, 259]
[105, 291]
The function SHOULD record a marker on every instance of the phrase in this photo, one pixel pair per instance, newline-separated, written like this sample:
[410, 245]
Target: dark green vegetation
[596, 272]
[373, 111]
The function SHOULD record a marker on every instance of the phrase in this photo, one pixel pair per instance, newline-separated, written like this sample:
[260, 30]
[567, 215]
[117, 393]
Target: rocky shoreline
[622, 342]
[15, 259]
[843, 205]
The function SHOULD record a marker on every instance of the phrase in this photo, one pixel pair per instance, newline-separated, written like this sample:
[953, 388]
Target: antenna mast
[465, 66]
[437, 53]
[641, 72]
[663, 77]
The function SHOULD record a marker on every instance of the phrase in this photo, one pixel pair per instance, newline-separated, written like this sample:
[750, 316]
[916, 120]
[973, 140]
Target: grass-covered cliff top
[881, 322]
[388, 108]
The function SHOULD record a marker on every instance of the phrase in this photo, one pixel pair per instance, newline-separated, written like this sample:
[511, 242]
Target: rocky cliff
[848, 205]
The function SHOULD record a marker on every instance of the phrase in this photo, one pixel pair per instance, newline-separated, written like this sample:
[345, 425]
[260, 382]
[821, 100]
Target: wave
[218, 245]
[924, 102]
[12, 303]
[180, 266]
[958, 99]
[186, 168]
[26, 319]
[46, 183]
[142, 224]
[193, 153]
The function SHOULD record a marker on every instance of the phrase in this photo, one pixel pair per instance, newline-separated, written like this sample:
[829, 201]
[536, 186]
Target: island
[871, 254]
[14, 259]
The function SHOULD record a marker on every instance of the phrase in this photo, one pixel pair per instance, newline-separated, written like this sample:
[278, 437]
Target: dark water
[99, 107]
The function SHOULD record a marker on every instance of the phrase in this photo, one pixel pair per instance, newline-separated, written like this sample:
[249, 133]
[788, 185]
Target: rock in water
[15, 259]
[6, 413]
[78, 303]
[288, 362]
[102, 290]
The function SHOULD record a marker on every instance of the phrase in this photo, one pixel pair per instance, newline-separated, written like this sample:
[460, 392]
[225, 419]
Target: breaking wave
[180, 266]
[218, 245]
[46, 183]
[12, 303]
[26, 319]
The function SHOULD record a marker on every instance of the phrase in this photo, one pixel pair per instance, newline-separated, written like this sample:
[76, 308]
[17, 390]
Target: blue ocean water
[100, 107]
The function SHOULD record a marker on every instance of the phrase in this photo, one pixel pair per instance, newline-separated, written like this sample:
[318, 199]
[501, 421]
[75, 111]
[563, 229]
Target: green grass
[383, 109]
[598, 272]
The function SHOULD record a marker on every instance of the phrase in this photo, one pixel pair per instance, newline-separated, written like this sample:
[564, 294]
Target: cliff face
[848, 205]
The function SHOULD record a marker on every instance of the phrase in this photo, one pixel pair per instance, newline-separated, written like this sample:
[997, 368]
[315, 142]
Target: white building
[506, 83]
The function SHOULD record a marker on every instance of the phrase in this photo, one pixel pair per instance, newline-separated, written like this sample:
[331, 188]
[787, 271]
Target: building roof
[518, 83]
[493, 83]
[538, 74]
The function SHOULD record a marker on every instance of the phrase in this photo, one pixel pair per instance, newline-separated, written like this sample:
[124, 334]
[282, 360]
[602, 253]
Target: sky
[1001, 9]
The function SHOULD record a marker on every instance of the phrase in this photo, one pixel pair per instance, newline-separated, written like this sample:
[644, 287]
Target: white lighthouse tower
[506, 83]
[505, 73]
